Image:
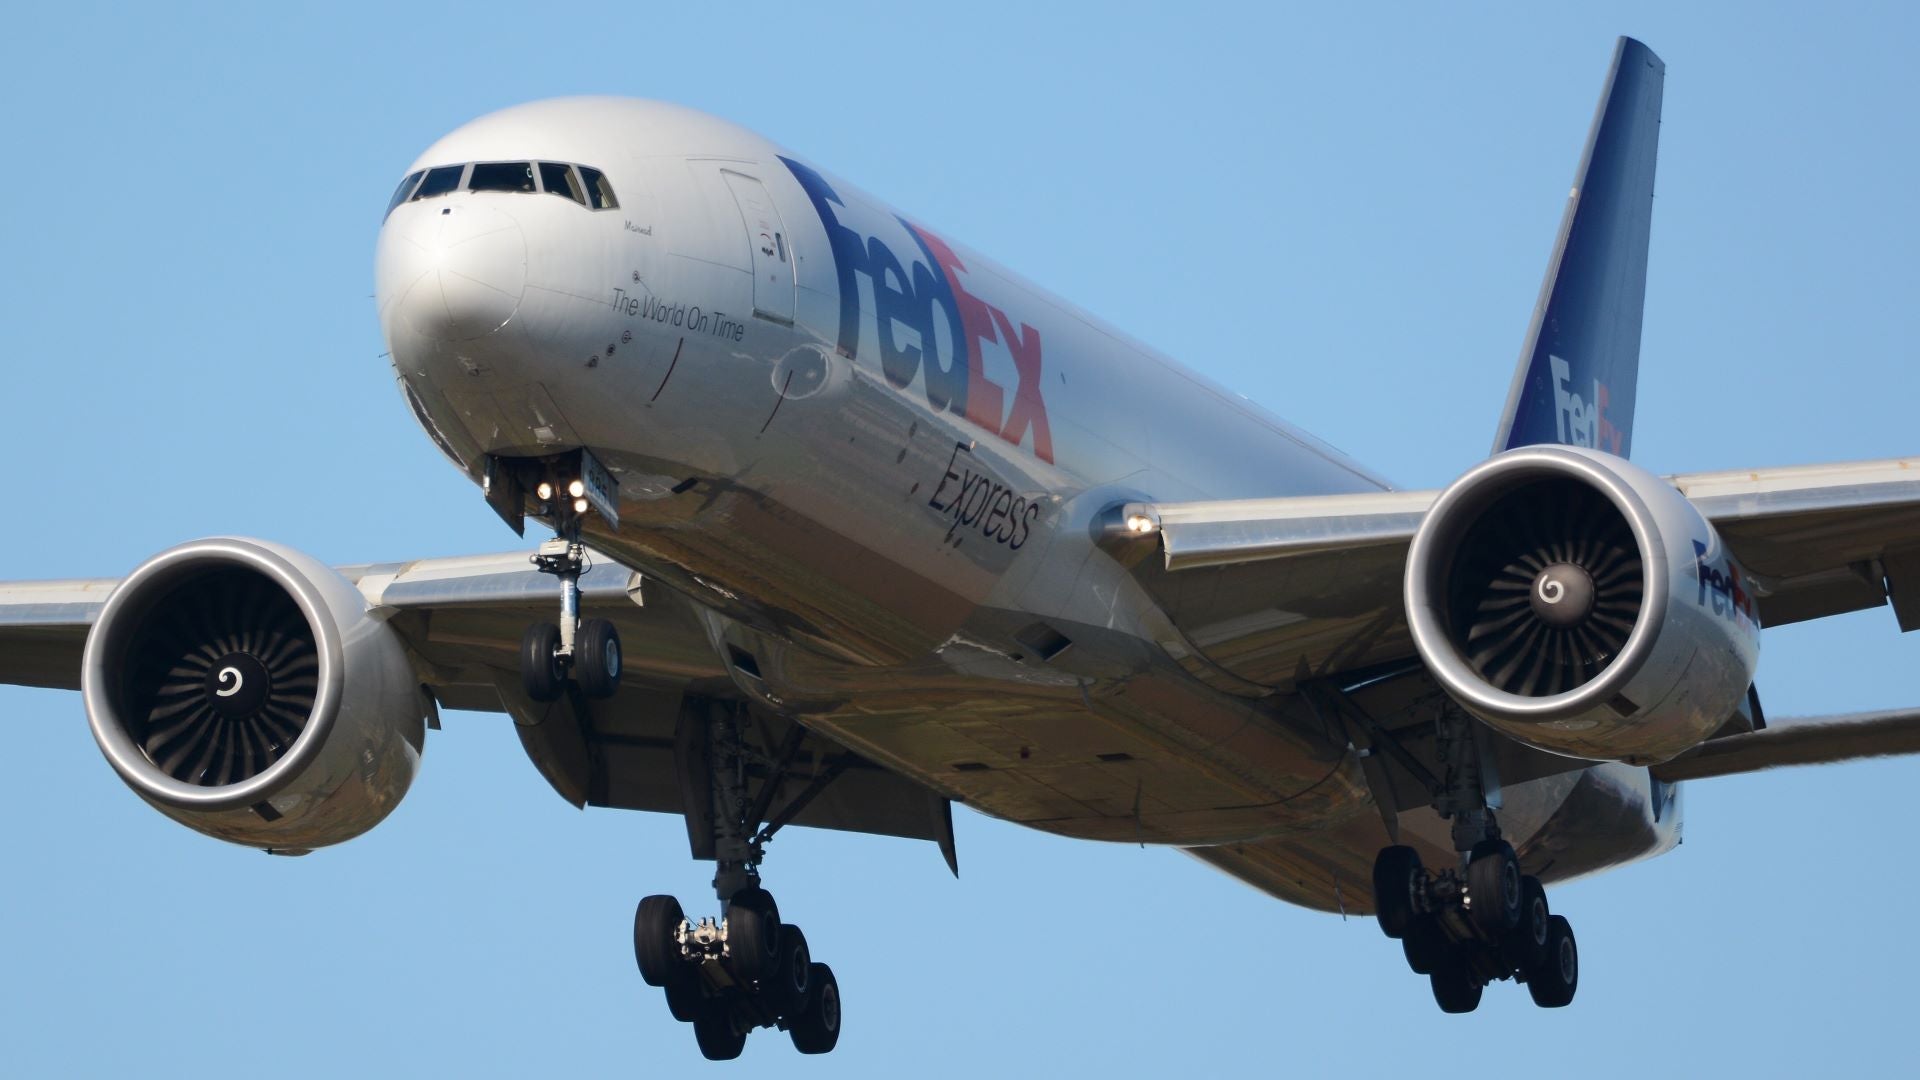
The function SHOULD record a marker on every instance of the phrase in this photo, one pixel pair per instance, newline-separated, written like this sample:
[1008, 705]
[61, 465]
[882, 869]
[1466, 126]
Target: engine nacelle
[1581, 605]
[242, 689]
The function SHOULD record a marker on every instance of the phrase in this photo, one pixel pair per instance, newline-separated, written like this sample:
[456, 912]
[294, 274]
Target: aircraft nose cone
[451, 274]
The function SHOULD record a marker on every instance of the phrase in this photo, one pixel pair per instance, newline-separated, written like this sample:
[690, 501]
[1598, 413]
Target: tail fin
[1575, 382]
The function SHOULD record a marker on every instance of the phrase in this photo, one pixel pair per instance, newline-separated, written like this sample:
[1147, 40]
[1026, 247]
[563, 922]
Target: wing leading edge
[461, 620]
[1819, 540]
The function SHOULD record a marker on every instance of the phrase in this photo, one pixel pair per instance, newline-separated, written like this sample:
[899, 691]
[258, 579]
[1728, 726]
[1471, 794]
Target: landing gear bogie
[698, 965]
[1462, 952]
[1480, 920]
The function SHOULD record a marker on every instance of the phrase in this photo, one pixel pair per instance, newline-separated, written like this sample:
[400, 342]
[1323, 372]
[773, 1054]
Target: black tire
[596, 658]
[1426, 946]
[719, 1037]
[753, 935]
[1526, 947]
[654, 949]
[685, 999]
[540, 672]
[1397, 877]
[817, 1029]
[792, 983]
[1493, 886]
[1554, 981]
[1454, 988]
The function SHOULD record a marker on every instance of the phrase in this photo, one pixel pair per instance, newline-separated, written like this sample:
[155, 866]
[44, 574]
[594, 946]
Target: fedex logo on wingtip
[909, 289]
[1580, 421]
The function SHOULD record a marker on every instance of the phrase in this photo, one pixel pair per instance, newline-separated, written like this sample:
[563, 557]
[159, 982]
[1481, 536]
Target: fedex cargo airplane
[838, 523]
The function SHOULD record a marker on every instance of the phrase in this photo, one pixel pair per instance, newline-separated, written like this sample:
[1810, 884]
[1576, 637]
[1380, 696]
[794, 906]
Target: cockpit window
[501, 176]
[588, 187]
[439, 181]
[558, 179]
[599, 192]
[400, 193]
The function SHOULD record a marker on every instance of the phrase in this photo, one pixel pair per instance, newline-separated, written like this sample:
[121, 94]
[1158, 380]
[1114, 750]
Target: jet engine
[243, 690]
[1581, 605]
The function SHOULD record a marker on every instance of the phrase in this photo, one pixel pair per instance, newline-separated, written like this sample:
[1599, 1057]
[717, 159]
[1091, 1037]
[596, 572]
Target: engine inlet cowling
[1568, 598]
[242, 689]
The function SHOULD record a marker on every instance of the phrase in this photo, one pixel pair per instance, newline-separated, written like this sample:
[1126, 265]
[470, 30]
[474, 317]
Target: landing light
[579, 505]
[1140, 524]
[577, 488]
[545, 491]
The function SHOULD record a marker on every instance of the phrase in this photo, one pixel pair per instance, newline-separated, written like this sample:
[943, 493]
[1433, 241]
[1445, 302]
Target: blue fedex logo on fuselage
[926, 293]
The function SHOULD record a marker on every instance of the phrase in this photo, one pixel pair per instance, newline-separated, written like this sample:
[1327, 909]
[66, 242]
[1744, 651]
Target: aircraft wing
[1812, 740]
[461, 620]
[43, 628]
[1274, 590]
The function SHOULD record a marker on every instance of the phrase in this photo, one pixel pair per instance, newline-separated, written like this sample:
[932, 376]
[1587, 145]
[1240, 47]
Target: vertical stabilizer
[1581, 359]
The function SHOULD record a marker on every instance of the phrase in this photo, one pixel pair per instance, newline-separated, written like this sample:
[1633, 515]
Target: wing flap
[1803, 741]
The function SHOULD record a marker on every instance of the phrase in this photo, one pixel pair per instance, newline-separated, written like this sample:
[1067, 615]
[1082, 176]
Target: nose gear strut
[588, 650]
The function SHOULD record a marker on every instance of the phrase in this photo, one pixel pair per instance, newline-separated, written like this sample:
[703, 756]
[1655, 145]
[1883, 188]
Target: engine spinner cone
[1563, 595]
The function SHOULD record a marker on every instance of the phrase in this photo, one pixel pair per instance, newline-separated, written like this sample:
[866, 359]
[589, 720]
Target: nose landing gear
[588, 649]
[563, 489]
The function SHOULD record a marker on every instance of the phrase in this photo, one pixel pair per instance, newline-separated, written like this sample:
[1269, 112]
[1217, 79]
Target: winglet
[1575, 380]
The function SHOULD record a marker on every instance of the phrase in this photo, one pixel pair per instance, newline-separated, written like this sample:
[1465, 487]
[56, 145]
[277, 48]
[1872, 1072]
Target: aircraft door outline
[771, 254]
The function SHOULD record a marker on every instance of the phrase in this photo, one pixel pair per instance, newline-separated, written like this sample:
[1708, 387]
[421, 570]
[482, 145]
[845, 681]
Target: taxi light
[576, 489]
[545, 491]
[579, 506]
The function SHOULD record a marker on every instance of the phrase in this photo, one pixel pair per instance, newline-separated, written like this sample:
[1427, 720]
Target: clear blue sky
[1341, 211]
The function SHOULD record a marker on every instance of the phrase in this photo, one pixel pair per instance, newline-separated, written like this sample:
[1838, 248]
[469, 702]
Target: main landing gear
[1483, 921]
[587, 650]
[747, 969]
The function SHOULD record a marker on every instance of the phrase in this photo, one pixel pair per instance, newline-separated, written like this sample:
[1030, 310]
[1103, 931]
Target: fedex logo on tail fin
[925, 322]
[1582, 422]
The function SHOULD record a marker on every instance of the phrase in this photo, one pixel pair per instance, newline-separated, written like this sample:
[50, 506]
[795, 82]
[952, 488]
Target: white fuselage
[879, 461]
